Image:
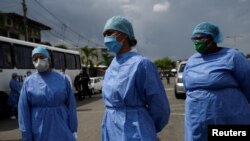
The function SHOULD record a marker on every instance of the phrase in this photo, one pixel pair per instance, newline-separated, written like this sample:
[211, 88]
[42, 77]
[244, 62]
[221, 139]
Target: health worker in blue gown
[136, 103]
[217, 85]
[47, 107]
[13, 98]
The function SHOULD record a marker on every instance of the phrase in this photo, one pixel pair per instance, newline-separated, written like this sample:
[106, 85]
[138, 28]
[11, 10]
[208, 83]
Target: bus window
[58, 60]
[70, 61]
[22, 56]
[78, 62]
[5, 56]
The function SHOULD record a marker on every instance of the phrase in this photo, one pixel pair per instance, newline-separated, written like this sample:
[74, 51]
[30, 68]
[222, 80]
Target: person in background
[28, 73]
[217, 85]
[47, 107]
[78, 87]
[168, 77]
[15, 88]
[63, 72]
[84, 82]
[137, 106]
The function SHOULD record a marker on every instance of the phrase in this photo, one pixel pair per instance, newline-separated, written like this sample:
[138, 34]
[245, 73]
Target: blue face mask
[112, 44]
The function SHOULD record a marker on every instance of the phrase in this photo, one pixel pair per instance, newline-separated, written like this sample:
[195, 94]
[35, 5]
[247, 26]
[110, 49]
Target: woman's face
[119, 35]
[202, 42]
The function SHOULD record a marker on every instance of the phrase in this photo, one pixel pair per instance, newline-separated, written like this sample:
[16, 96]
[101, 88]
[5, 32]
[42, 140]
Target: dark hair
[132, 42]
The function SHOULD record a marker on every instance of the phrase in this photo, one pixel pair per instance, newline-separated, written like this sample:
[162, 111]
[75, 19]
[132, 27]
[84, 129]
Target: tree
[107, 58]
[165, 64]
[248, 55]
[88, 55]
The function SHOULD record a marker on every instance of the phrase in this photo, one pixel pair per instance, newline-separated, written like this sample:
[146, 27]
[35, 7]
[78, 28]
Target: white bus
[15, 56]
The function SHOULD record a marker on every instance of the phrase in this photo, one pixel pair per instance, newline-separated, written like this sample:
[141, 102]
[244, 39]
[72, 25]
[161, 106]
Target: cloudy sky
[162, 27]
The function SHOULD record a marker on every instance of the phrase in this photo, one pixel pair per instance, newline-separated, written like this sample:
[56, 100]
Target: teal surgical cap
[209, 29]
[120, 24]
[40, 50]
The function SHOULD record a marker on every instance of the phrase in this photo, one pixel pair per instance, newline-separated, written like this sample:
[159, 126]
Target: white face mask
[41, 65]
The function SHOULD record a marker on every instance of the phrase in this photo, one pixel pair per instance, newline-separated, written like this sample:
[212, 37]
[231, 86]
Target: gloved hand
[75, 135]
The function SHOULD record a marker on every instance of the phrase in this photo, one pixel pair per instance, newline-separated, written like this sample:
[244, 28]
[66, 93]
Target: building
[12, 26]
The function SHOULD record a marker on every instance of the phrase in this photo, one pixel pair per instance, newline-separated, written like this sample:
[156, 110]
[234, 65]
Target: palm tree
[88, 56]
[107, 58]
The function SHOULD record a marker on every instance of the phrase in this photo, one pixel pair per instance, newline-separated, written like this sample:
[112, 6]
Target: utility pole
[25, 20]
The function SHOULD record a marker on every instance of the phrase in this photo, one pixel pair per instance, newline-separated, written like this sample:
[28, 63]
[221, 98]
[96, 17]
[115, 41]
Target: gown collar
[125, 56]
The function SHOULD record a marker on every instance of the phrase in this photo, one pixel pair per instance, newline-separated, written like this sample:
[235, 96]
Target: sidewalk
[9, 130]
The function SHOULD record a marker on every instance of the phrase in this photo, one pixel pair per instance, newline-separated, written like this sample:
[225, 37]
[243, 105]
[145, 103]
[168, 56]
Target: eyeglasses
[200, 37]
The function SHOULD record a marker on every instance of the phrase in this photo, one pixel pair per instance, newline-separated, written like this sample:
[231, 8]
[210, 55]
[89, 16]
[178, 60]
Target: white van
[96, 84]
[179, 89]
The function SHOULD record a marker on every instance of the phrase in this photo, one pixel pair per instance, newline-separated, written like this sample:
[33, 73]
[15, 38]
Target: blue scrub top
[136, 102]
[218, 91]
[15, 89]
[47, 108]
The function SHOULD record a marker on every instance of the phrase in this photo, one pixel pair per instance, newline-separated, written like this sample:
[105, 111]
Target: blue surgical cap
[120, 24]
[40, 50]
[209, 29]
[14, 75]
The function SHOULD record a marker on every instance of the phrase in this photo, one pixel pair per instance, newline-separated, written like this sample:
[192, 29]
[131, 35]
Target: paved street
[90, 113]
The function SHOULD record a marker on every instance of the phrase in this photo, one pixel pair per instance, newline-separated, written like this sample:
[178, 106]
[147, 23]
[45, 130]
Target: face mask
[112, 44]
[41, 65]
[200, 46]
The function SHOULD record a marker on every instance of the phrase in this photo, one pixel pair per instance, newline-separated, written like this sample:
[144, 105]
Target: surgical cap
[14, 75]
[209, 29]
[40, 50]
[120, 24]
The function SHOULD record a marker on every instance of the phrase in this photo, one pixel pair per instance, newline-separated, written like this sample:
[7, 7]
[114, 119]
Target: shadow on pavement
[87, 100]
[8, 124]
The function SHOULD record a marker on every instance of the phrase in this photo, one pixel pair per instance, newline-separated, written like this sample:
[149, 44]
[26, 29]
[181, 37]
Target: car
[179, 89]
[95, 85]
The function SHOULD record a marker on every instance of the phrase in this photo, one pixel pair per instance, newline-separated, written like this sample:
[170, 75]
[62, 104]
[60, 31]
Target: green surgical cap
[40, 50]
[120, 24]
[209, 29]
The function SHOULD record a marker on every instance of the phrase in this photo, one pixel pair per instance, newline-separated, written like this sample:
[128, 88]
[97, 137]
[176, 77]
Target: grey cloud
[163, 34]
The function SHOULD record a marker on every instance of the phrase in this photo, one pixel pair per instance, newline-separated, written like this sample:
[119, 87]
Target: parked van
[179, 89]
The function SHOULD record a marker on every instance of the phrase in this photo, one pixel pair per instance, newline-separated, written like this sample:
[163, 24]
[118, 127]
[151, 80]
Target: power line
[57, 34]
[65, 33]
[66, 26]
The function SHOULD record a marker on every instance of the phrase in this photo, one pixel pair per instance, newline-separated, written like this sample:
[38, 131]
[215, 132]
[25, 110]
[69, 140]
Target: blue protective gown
[47, 108]
[218, 92]
[15, 88]
[136, 103]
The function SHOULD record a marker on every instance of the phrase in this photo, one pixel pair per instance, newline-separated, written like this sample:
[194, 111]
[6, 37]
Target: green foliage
[165, 64]
[248, 55]
[87, 55]
[107, 58]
